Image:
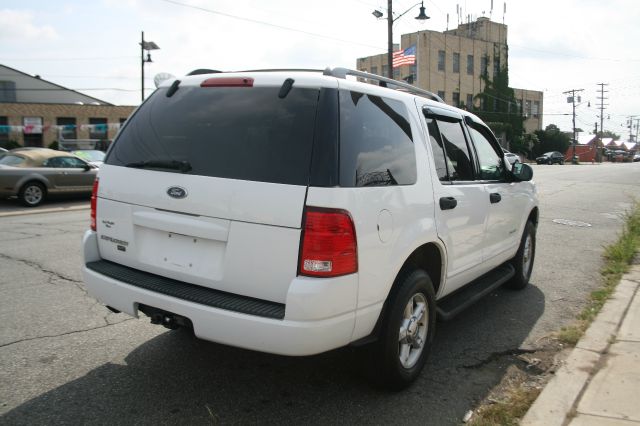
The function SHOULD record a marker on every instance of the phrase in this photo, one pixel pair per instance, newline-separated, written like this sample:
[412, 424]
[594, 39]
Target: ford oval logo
[176, 192]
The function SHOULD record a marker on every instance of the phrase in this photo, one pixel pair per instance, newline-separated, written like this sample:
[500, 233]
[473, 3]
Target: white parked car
[511, 157]
[297, 212]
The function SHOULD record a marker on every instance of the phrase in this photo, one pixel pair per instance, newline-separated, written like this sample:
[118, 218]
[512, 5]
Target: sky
[554, 46]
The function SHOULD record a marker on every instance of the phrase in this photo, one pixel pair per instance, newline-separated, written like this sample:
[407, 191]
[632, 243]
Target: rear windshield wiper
[182, 166]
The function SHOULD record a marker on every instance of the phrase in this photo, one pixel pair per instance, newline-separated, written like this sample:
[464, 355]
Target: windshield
[92, 155]
[227, 132]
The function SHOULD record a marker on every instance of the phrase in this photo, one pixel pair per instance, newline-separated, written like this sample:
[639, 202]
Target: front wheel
[407, 332]
[523, 260]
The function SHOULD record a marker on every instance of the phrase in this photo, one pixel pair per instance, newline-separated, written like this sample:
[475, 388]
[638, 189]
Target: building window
[455, 97]
[496, 66]
[484, 66]
[469, 102]
[536, 109]
[441, 94]
[374, 70]
[7, 91]
[470, 64]
[441, 60]
[98, 129]
[67, 128]
[413, 69]
[527, 109]
[396, 74]
[385, 70]
[456, 62]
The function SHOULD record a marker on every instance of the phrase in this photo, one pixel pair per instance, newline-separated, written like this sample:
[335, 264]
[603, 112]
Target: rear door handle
[495, 197]
[448, 203]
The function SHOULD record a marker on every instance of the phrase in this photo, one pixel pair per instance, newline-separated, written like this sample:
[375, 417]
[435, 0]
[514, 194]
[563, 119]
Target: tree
[609, 134]
[551, 139]
[500, 110]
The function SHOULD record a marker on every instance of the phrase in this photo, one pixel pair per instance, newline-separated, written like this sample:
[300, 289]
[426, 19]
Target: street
[65, 359]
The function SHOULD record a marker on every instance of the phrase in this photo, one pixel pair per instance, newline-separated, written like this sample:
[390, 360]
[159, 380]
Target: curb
[559, 398]
[49, 210]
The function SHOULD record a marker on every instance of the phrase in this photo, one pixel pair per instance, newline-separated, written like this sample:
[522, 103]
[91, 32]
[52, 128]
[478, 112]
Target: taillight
[329, 247]
[94, 203]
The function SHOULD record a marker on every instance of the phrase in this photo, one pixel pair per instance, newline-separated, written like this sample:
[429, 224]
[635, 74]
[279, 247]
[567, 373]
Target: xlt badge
[176, 192]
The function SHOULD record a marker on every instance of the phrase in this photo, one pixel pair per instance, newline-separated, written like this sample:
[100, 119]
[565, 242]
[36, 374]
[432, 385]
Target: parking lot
[65, 359]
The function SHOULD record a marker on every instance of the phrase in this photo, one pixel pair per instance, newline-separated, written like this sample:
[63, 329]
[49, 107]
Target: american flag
[404, 57]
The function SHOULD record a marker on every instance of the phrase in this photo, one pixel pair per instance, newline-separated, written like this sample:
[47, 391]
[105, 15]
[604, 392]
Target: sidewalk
[599, 384]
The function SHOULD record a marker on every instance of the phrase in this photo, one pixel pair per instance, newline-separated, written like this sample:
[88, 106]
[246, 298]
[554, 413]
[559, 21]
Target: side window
[491, 163]
[72, 163]
[438, 150]
[53, 162]
[376, 145]
[456, 151]
[450, 150]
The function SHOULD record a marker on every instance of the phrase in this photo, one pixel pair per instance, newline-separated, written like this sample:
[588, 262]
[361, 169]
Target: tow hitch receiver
[168, 319]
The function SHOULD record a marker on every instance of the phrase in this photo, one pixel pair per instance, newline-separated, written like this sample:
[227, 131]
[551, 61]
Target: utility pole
[630, 119]
[572, 99]
[389, 39]
[602, 98]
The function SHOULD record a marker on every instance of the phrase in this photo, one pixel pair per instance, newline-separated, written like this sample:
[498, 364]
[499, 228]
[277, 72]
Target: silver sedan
[33, 174]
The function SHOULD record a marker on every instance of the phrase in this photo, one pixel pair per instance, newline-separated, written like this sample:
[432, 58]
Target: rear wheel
[32, 194]
[407, 332]
[523, 260]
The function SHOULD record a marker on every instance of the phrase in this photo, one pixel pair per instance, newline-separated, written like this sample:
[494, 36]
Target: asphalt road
[64, 359]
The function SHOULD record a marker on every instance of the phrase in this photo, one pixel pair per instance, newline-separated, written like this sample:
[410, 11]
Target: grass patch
[508, 412]
[618, 257]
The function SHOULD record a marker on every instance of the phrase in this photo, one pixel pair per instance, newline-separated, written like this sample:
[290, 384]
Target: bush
[53, 145]
[10, 144]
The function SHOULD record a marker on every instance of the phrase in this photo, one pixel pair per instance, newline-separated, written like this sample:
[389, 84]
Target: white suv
[296, 212]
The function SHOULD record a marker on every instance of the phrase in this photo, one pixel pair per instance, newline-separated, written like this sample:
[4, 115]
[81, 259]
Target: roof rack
[384, 81]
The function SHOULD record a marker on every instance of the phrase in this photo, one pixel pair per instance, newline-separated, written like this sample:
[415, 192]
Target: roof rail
[282, 69]
[384, 81]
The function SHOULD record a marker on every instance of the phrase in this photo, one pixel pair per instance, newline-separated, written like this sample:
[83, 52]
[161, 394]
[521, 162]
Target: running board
[453, 304]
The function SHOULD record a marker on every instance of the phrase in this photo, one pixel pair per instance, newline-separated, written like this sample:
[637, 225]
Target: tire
[397, 361]
[561, 162]
[523, 260]
[32, 194]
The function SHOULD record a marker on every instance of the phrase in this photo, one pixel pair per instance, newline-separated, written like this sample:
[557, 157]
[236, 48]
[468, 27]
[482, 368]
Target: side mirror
[87, 167]
[522, 172]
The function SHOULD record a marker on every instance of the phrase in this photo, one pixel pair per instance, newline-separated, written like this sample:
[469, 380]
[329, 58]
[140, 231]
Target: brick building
[36, 112]
[452, 63]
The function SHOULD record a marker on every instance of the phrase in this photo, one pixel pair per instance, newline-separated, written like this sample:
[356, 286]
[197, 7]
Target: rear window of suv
[227, 132]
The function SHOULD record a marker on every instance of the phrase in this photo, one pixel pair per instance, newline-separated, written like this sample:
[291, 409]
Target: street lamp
[145, 45]
[422, 16]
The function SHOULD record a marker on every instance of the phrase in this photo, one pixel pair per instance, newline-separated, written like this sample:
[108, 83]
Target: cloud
[18, 25]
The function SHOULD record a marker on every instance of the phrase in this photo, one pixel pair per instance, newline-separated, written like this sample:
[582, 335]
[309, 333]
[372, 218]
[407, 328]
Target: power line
[568, 55]
[94, 58]
[269, 24]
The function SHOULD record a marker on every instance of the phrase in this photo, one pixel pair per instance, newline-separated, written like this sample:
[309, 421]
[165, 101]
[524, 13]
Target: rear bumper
[319, 314]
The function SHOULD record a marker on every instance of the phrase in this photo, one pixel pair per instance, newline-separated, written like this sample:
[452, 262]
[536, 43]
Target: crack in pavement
[494, 356]
[52, 274]
[4, 345]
